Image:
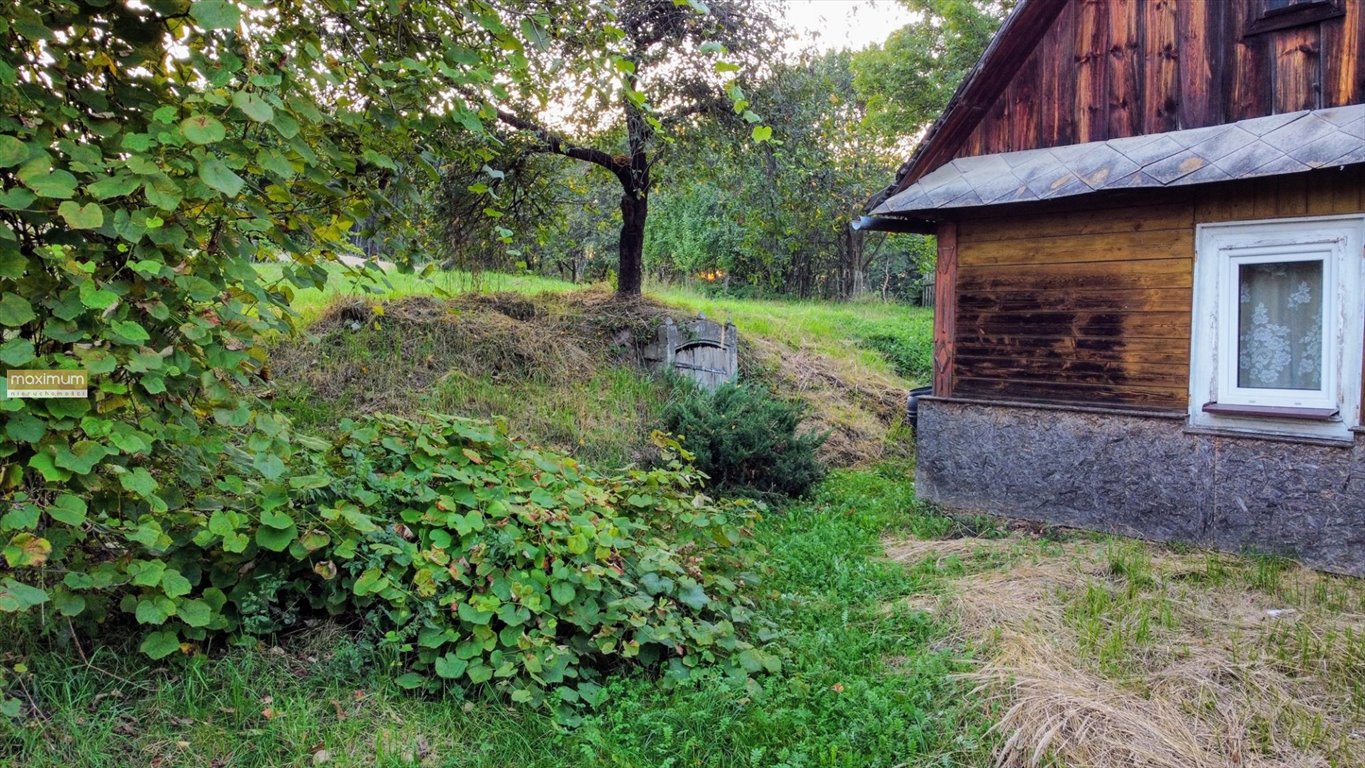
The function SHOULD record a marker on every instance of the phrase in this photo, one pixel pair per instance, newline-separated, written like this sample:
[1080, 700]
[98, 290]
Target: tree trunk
[634, 209]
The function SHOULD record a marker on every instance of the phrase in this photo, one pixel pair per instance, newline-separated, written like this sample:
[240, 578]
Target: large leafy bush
[743, 437]
[480, 559]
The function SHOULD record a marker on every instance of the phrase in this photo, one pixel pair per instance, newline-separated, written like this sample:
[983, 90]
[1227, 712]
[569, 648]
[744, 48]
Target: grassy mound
[561, 368]
[564, 368]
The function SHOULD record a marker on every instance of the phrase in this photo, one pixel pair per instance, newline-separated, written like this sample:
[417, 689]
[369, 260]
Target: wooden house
[1151, 237]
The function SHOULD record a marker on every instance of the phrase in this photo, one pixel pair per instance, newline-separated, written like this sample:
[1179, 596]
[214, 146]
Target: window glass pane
[1279, 335]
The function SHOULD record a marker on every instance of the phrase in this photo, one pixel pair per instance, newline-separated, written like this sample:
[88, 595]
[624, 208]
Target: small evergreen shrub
[744, 438]
[481, 560]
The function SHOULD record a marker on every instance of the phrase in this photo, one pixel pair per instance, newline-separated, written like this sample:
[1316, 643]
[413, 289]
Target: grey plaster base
[1146, 477]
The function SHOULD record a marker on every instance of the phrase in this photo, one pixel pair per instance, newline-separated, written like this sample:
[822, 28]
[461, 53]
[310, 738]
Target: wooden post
[945, 309]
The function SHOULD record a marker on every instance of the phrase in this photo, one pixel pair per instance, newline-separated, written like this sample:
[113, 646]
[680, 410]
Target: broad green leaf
[154, 610]
[25, 427]
[139, 481]
[450, 666]
[16, 352]
[158, 645]
[12, 151]
[58, 185]
[95, 297]
[762, 133]
[216, 14]
[276, 518]
[203, 129]
[113, 186]
[130, 330]
[195, 613]
[253, 106]
[276, 539]
[174, 583]
[16, 596]
[88, 216]
[216, 174]
[15, 310]
[68, 509]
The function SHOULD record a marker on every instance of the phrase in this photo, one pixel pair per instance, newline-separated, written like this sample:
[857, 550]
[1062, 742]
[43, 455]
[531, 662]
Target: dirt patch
[1103, 654]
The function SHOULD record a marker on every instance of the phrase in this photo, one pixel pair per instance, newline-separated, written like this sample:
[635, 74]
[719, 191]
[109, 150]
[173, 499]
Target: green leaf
[159, 645]
[154, 610]
[276, 519]
[762, 133]
[216, 14]
[562, 592]
[253, 106]
[276, 539]
[81, 457]
[130, 330]
[16, 352]
[372, 580]
[88, 216]
[410, 681]
[58, 185]
[12, 151]
[68, 604]
[16, 596]
[15, 310]
[25, 427]
[113, 186]
[139, 481]
[67, 509]
[450, 666]
[202, 129]
[16, 199]
[216, 174]
[195, 613]
[174, 583]
[95, 297]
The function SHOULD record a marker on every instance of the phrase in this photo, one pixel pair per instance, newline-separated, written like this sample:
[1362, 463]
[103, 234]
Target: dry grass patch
[1124, 654]
[861, 408]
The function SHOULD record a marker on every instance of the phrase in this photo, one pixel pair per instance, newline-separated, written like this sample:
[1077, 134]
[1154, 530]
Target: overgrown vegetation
[475, 558]
[744, 439]
[866, 680]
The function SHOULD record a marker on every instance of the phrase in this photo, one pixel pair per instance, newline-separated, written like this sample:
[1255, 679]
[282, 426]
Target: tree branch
[553, 143]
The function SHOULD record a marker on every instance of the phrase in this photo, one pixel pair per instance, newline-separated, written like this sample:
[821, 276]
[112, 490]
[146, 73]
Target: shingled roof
[1262, 146]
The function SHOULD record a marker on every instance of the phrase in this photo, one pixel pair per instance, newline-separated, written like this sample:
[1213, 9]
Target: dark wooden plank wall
[1088, 301]
[1113, 68]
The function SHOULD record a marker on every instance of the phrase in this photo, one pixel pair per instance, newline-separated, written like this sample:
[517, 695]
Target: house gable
[1064, 72]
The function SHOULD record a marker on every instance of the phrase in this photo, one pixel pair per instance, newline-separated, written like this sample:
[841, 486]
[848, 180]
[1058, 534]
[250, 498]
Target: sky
[855, 24]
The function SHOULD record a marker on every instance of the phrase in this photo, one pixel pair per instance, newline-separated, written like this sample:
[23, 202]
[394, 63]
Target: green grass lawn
[864, 682]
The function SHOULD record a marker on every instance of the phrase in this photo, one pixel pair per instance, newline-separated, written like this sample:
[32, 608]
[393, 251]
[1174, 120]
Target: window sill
[1272, 412]
[1324, 441]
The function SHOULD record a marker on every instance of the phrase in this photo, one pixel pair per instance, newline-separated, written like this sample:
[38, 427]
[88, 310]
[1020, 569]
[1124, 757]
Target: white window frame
[1221, 249]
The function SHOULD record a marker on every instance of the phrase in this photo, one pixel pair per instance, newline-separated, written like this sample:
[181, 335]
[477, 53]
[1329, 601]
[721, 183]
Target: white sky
[855, 24]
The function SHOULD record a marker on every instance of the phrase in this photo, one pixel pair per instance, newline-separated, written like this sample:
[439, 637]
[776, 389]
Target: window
[1279, 326]
[1282, 14]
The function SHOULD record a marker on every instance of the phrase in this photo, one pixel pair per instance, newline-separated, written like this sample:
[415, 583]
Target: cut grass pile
[1105, 653]
[861, 685]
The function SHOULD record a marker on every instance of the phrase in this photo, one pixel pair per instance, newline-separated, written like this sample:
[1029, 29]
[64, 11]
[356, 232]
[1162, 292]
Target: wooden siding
[1088, 301]
[1114, 68]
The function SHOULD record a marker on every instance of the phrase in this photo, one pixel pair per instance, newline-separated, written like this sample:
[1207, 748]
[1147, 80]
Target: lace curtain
[1280, 326]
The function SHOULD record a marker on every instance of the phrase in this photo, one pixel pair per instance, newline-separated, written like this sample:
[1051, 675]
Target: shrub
[479, 558]
[742, 437]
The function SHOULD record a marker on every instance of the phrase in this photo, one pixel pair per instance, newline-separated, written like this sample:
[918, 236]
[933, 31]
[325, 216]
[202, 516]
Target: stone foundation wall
[1145, 476]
